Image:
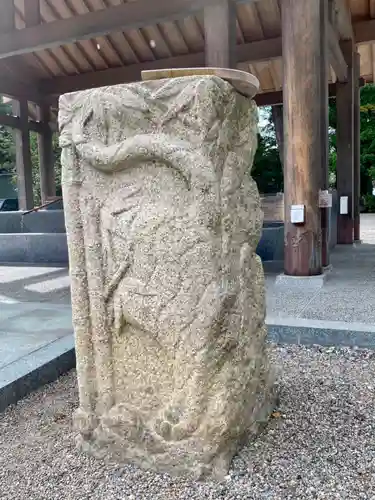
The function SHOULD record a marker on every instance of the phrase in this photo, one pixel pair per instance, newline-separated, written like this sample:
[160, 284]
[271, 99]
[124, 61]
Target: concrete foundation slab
[311, 282]
[324, 333]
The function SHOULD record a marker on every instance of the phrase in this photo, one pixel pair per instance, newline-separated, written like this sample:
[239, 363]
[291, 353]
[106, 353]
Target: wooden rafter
[263, 50]
[127, 16]
[97, 23]
[254, 51]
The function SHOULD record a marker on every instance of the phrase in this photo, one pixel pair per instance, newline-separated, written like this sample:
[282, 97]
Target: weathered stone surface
[163, 221]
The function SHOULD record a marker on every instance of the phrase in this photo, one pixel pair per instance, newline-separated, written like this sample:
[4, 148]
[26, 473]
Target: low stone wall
[34, 248]
[271, 246]
[41, 238]
[43, 221]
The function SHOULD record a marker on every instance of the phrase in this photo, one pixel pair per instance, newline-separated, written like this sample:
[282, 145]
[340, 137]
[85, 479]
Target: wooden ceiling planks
[255, 21]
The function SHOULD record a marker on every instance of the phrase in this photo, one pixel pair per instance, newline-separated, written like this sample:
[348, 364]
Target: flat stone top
[245, 83]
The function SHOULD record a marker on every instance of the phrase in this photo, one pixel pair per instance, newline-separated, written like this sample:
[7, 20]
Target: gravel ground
[320, 443]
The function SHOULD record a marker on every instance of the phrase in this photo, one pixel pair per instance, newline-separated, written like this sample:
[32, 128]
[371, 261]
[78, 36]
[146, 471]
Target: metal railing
[47, 204]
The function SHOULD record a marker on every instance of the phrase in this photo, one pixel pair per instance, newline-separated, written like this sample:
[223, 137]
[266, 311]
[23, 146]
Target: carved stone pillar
[163, 221]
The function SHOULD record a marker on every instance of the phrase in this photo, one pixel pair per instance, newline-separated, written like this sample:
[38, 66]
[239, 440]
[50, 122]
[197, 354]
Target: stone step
[287, 330]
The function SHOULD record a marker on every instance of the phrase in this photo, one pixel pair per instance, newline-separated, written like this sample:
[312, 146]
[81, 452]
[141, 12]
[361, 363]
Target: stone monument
[163, 220]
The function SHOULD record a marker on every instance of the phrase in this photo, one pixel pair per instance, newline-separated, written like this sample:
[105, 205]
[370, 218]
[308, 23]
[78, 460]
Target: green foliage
[369, 202]
[7, 149]
[267, 170]
[367, 143]
[8, 155]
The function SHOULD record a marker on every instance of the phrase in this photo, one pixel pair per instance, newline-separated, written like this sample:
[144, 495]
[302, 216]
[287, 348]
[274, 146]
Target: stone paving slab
[347, 295]
[36, 333]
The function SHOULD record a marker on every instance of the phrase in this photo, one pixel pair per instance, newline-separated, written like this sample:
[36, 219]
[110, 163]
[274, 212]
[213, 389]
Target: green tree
[7, 149]
[267, 169]
[367, 139]
[8, 155]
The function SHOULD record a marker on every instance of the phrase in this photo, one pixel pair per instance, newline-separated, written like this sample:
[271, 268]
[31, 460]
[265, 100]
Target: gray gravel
[321, 444]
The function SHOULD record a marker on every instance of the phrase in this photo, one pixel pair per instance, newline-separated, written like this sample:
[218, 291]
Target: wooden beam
[16, 88]
[32, 13]
[275, 98]
[220, 34]
[364, 31]
[15, 122]
[131, 15]
[304, 76]
[23, 156]
[336, 56]
[254, 51]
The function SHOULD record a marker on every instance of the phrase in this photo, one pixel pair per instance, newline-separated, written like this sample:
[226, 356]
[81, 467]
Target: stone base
[108, 439]
[314, 282]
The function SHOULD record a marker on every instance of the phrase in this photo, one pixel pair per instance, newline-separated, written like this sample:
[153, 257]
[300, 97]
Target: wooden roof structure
[49, 47]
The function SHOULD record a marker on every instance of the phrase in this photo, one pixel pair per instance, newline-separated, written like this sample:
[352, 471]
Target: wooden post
[46, 160]
[23, 156]
[304, 28]
[345, 148]
[357, 148]
[325, 212]
[220, 34]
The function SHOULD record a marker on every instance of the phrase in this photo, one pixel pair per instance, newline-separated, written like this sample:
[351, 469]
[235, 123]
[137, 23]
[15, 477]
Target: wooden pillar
[220, 34]
[325, 212]
[304, 29]
[46, 159]
[345, 148]
[357, 148]
[23, 156]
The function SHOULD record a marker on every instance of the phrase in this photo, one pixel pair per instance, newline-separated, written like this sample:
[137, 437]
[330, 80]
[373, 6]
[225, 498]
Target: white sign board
[297, 214]
[344, 205]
